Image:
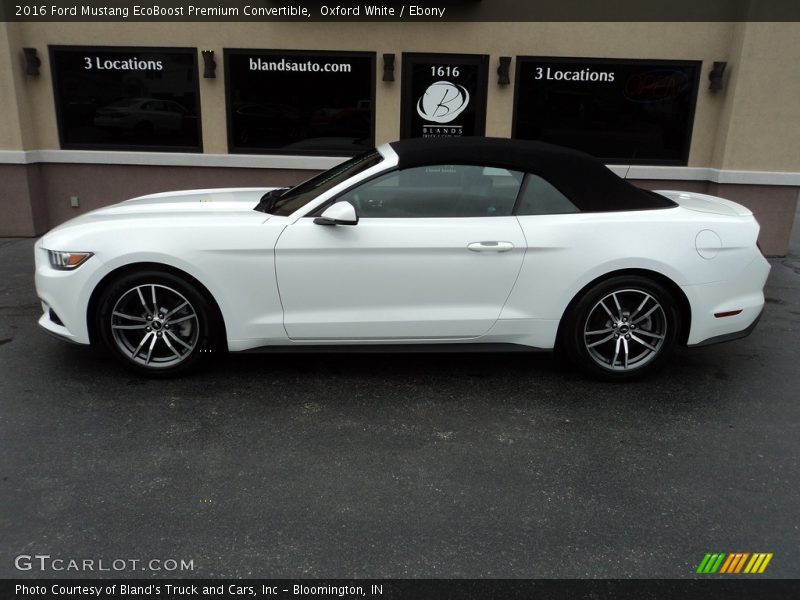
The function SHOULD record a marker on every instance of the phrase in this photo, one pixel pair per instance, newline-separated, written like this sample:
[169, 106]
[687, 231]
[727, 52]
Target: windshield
[300, 195]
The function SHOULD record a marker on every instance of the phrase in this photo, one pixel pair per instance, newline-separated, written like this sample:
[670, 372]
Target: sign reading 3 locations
[618, 110]
[126, 98]
[444, 95]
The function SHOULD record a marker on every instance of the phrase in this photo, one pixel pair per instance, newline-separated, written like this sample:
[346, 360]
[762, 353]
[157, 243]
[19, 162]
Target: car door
[434, 255]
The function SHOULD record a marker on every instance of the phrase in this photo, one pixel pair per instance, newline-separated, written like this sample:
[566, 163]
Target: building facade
[95, 113]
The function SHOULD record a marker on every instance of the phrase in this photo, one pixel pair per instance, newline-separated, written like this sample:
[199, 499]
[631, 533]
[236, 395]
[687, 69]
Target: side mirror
[340, 213]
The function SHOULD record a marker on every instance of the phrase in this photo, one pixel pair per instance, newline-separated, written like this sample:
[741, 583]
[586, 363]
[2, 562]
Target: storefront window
[629, 111]
[292, 102]
[126, 98]
[444, 95]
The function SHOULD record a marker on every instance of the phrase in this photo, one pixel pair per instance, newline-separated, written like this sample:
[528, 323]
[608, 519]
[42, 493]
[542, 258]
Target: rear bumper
[729, 337]
[742, 293]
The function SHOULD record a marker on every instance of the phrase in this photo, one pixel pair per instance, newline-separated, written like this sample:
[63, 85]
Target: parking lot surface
[481, 465]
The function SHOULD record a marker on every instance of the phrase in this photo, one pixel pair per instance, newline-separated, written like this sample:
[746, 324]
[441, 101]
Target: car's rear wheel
[156, 322]
[622, 328]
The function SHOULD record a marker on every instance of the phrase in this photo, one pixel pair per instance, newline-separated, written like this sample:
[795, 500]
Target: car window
[300, 195]
[437, 191]
[539, 197]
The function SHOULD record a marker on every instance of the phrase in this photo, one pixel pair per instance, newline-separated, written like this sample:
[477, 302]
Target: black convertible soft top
[586, 181]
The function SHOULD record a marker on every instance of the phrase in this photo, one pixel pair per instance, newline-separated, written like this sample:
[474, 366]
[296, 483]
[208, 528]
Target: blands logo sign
[444, 95]
[442, 102]
[733, 563]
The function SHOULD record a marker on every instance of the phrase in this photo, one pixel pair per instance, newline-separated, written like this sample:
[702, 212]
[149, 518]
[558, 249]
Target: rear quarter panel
[567, 252]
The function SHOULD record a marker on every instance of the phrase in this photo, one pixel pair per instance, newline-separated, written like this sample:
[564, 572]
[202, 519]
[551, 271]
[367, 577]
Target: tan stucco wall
[752, 125]
[760, 124]
[10, 53]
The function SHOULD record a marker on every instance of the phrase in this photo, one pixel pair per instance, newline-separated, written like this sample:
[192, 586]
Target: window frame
[577, 60]
[232, 146]
[407, 104]
[53, 48]
[374, 153]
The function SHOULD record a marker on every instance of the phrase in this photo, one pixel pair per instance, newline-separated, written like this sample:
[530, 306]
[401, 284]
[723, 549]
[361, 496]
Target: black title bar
[391, 10]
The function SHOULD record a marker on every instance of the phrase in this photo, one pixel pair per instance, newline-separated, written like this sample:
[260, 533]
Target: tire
[621, 329]
[157, 323]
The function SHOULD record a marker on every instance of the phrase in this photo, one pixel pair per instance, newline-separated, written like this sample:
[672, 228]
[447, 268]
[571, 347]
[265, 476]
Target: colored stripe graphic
[758, 563]
[711, 563]
[741, 562]
[703, 563]
[727, 564]
[734, 562]
[737, 562]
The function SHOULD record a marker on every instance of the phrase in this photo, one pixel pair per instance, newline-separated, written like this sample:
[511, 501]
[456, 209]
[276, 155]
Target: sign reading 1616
[444, 71]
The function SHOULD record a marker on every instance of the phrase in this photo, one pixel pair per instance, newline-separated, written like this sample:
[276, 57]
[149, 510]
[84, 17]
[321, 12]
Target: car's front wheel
[622, 328]
[156, 322]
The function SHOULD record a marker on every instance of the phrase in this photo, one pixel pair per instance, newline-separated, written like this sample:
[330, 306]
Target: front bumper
[65, 297]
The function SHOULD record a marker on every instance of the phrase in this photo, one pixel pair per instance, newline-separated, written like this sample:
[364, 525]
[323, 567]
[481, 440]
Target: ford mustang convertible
[448, 244]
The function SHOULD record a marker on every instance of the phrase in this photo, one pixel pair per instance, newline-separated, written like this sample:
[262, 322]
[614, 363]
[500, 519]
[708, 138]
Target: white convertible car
[449, 244]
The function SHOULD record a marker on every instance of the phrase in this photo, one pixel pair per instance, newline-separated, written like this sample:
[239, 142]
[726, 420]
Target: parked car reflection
[347, 121]
[143, 117]
[257, 124]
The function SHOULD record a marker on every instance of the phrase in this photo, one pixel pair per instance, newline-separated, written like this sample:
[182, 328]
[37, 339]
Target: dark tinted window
[142, 98]
[300, 102]
[617, 110]
[539, 197]
[438, 191]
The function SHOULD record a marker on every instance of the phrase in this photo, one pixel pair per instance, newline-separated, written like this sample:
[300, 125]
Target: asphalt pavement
[484, 465]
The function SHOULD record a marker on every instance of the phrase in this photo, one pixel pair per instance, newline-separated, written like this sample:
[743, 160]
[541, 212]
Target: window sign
[300, 102]
[444, 95]
[626, 111]
[127, 98]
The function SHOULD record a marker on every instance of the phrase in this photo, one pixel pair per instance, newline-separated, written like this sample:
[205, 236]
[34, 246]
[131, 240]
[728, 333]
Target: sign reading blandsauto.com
[300, 102]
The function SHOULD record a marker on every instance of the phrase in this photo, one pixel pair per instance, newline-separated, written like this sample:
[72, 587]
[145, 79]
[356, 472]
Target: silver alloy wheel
[155, 326]
[625, 330]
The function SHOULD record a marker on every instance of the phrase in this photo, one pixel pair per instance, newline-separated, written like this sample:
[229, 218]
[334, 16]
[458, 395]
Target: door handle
[490, 246]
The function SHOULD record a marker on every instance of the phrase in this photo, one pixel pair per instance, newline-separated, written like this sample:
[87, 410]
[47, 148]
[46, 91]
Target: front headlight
[66, 261]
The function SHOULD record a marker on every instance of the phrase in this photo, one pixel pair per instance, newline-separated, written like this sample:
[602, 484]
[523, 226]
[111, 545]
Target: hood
[210, 200]
[183, 204]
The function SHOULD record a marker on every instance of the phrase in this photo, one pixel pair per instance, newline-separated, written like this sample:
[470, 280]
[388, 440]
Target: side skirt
[392, 348]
